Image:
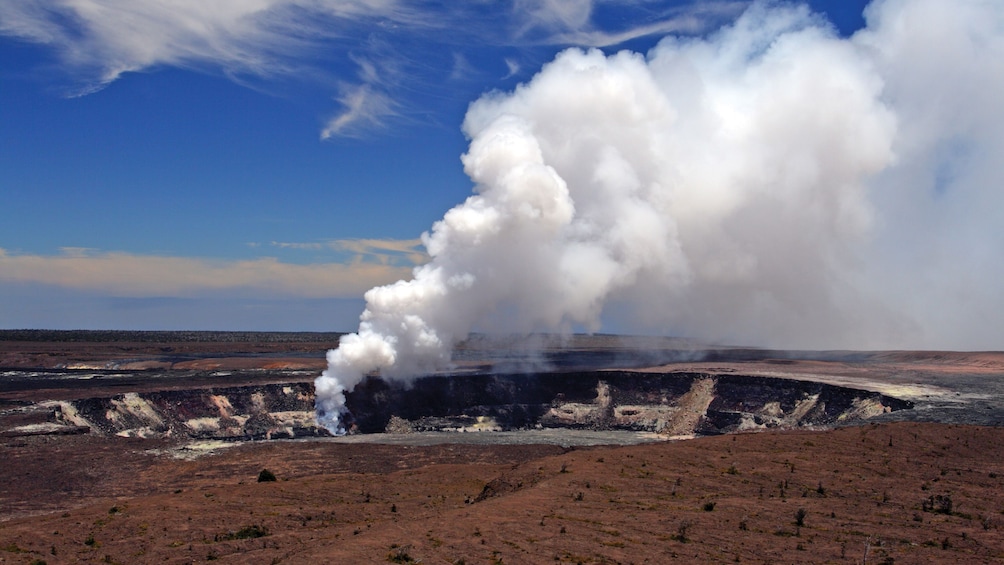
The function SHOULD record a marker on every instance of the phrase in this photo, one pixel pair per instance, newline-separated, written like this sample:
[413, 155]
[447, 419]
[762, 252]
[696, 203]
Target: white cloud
[560, 14]
[99, 40]
[363, 106]
[111, 37]
[513, 67]
[573, 22]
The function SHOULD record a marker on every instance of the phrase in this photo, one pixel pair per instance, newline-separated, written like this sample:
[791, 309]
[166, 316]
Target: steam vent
[678, 404]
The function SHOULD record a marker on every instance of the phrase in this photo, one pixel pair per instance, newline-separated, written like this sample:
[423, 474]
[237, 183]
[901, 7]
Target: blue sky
[193, 165]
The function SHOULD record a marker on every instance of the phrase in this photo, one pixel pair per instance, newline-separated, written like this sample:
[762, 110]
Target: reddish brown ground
[711, 500]
[866, 491]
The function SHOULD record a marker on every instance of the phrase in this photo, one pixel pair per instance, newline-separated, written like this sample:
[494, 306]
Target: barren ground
[929, 490]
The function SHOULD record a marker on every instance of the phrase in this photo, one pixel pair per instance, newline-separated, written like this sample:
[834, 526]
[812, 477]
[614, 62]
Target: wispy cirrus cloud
[127, 274]
[97, 41]
[362, 106]
[329, 42]
[102, 39]
[578, 23]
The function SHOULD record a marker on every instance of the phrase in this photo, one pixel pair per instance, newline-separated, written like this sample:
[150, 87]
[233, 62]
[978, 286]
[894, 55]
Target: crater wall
[673, 404]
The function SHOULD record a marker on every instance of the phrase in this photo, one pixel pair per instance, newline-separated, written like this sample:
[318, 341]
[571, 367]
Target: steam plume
[771, 184]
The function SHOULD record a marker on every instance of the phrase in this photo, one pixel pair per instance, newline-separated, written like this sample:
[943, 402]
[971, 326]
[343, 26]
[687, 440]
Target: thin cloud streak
[326, 41]
[364, 107]
[382, 251]
[125, 274]
[570, 22]
[257, 36]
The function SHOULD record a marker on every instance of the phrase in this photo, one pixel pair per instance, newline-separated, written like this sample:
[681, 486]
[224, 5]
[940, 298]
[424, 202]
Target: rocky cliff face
[673, 404]
[267, 411]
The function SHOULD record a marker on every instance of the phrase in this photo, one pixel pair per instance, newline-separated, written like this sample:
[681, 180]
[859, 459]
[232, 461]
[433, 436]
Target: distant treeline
[100, 336]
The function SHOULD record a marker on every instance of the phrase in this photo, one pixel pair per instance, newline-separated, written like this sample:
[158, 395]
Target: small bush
[266, 476]
[681, 532]
[939, 504]
[400, 555]
[800, 517]
[709, 506]
[247, 532]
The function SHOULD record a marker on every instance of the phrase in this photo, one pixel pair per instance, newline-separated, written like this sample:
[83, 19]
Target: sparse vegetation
[939, 504]
[800, 517]
[12, 548]
[247, 532]
[319, 509]
[681, 532]
[400, 555]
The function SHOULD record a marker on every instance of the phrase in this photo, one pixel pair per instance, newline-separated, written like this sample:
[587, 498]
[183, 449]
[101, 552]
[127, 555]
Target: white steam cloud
[771, 184]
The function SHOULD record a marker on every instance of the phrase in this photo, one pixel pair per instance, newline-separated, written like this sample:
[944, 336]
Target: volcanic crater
[494, 464]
